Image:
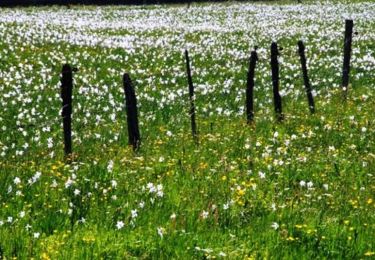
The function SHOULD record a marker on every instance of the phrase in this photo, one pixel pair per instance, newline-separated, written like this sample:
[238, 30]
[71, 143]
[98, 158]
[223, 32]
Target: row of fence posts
[134, 138]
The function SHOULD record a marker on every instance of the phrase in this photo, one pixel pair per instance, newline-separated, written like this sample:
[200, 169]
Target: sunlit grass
[303, 188]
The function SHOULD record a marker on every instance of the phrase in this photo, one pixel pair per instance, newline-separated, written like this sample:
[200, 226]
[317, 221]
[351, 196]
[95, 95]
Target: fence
[134, 136]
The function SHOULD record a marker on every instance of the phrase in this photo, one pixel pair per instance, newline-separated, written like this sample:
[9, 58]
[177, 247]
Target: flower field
[301, 188]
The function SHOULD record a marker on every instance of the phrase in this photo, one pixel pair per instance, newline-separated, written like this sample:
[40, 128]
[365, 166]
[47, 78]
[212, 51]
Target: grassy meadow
[300, 189]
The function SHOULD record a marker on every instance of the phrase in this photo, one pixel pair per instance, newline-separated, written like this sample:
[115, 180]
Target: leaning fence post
[131, 112]
[347, 53]
[275, 81]
[66, 95]
[250, 86]
[192, 98]
[310, 98]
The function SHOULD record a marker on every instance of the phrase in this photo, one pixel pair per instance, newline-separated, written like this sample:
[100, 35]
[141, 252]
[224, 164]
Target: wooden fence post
[347, 54]
[275, 81]
[192, 97]
[131, 112]
[250, 86]
[310, 98]
[66, 95]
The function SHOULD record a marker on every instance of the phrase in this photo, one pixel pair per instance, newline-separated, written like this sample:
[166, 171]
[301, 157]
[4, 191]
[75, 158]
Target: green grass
[300, 189]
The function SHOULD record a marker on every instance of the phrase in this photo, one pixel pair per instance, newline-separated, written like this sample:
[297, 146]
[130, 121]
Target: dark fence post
[310, 98]
[131, 112]
[347, 53]
[66, 95]
[250, 86]
[275, 81]
[191, 95]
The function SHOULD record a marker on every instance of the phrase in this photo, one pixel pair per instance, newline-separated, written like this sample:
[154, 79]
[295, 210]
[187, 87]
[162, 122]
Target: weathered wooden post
[131, 112]
[192, 97]
[347, 54]
[250, 86]
[66, 95]
[275, 81]
[310, 98]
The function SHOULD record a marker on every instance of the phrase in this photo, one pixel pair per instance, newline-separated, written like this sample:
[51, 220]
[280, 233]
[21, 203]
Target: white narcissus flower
[120, 225]
[22, 214]
[275, 225]
[161, 231]
[204, 214]
[17, 180]
[134, 213]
